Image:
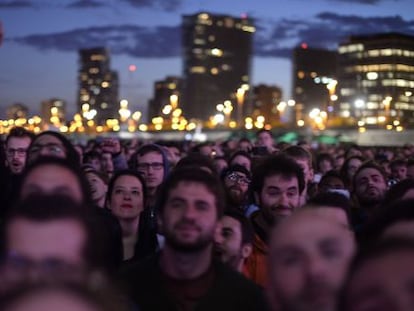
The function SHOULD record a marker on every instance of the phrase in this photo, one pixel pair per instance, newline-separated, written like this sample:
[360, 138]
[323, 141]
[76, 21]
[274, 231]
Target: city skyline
[39, 52]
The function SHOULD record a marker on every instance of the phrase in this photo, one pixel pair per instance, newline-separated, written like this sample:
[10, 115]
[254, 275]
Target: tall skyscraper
[166, 92]
[376, 79]
[217, 61]
[98, 85]
[313, 71]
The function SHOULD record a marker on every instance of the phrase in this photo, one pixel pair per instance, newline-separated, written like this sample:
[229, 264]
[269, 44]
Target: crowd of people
[243, 224]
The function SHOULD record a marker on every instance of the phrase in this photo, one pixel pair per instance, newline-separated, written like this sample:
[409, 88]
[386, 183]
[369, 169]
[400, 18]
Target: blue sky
[39, 52]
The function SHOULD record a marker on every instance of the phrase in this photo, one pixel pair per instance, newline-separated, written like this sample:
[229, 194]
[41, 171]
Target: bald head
[309, 256]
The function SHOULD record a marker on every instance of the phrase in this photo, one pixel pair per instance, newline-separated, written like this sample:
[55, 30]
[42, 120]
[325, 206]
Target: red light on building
[244, 15]
[304, 45]
[132, 68]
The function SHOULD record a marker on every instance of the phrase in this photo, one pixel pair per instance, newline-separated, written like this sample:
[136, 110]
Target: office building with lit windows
[167, 96]
[377, 79]
[98, 86]
[53, 111]
[314, 79]
[217, 59]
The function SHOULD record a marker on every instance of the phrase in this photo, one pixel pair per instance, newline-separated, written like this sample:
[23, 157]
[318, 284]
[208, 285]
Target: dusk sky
[39, 52]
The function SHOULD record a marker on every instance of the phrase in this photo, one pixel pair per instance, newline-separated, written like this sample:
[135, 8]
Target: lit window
[372, 75]
[214, 71]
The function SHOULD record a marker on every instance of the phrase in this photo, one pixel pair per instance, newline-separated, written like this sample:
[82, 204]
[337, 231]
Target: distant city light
[304, 45]
[132, 68]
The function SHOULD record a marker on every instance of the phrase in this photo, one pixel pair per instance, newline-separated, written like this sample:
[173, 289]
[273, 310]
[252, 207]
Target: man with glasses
[16, 145]
[236, 181]
[151, 161]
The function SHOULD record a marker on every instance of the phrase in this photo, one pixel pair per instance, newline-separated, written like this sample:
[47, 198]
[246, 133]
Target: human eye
[135, 192]
[273, 192]
[292, 193]
[202, 206]
[118, 191]
[290, 259]
[330, 250]
[176, 203]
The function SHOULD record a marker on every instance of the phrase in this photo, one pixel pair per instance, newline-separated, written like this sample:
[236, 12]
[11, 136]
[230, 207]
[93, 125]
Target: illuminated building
[313, 70]
[377, 78]
[162, 95]
[265, 100]
[217, 59]
[16, 111]
[98, 85]
[53, 111]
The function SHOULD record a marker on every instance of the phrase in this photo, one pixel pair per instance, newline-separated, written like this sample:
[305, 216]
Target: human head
[370, 184]
[380, 278]
[93, 159]
[349, 169]
[190, 203]
[53, 144]
[236, 181]
[126, 195]
[17, 143]
[401, 190]
[308, 260]
[330, 181]
[398, 169]
[303, 157]
[333, 204]
[197, 160]
[220, 163]
[277, 184]
[52, 232]
[234, 242]
[265, 138]
[243, 158]
[151, 161]
[98, 183]
[324, 163]
[410, 168]
[52, 175]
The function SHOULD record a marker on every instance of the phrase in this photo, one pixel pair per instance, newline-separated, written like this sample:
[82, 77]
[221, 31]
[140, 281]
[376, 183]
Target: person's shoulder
[226, 275]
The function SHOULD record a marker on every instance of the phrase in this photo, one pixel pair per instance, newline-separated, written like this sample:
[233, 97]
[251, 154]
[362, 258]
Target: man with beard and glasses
[277, 185]
[183, 275]
[236, 181]
[308, 262]
[370, 186]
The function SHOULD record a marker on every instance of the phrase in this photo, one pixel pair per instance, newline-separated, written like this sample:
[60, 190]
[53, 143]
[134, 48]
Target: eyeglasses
[156, 166]
[19, 151]
[52, 149]
[237, 178]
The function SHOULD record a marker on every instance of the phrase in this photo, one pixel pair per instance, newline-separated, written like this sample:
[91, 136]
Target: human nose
[315, 268]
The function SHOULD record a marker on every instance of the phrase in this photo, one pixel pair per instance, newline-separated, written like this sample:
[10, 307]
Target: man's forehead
[274, 179]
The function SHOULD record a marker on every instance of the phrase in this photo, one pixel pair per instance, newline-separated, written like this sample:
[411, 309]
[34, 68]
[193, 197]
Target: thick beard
[203, 242]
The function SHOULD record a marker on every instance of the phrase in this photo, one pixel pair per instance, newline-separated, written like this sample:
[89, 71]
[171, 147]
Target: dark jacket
[230, 290]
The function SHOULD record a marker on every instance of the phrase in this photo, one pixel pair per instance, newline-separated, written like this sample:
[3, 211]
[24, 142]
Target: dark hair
[397, 191]
[125, 172]
[52, 207]
[196, 160]
[19, 132]
[64, 163]
[71, 154]
[324, 156]
[332, 199]
[245, 226]
[386, 216]
[90, 155]
[99, 174]
[277, 165]
[344, 168]
[364, 255]
[145, 149]
[196, 175]
[331, 174]
[398, 162]
[240, 153]
[298, 152]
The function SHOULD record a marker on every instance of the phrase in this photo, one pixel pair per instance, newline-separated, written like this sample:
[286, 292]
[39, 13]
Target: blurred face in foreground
[384, 283]
[309, 256]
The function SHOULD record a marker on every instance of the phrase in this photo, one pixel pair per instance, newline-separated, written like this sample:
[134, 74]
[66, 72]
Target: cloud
[167, 5]
[275, 39]
[325, 30]
[136, 41]
[85, 4]
[19, 4]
